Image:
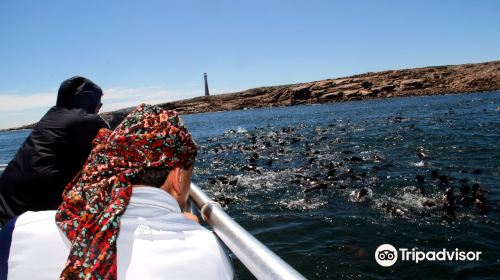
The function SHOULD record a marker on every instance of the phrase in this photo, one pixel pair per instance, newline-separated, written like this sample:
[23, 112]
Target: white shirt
[156, 241]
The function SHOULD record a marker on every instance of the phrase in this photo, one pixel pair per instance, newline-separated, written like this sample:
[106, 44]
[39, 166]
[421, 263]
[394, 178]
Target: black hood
[79, 92]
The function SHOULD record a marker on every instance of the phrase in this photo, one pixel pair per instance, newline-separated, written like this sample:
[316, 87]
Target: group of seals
[318, 165]
[468, 197]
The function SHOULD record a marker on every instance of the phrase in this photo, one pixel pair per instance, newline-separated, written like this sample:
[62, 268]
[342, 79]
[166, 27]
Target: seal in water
[448, 205]
[360, 195]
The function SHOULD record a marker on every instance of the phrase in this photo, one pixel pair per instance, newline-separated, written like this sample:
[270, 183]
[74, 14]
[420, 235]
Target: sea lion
[464, 189]
[250, 167]
[347, 174]
[251, 160]
[464, 198]
[360, 193]
[429, 203]
[320, 186]
[477, 171]
[448, 205]
[420, 178]
[224, 180]
[223, 200]
[393, 210]
[355, 159]
[479, 200]
[444, 179]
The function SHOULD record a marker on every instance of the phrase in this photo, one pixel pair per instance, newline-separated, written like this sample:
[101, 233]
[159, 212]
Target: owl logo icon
[386, 255]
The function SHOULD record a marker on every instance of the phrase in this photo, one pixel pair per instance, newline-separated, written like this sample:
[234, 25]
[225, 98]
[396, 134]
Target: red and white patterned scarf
[96, 198]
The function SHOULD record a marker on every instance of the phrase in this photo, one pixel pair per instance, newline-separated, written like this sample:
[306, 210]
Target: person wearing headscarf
[54, 152]
[121, 217]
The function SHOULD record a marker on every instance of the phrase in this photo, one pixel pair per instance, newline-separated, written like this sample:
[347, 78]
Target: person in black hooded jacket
[54, 152]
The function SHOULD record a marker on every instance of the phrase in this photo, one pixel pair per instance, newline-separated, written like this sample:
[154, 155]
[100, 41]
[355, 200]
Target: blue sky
[157, 51]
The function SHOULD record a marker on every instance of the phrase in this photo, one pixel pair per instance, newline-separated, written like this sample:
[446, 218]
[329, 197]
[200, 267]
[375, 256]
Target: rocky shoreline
[479, 77]
[435, 80]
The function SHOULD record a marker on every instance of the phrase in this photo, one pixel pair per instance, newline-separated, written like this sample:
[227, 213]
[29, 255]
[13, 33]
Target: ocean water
[293, 176]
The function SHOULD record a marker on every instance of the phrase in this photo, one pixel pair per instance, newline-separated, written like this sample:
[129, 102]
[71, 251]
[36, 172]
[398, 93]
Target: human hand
[192, 217]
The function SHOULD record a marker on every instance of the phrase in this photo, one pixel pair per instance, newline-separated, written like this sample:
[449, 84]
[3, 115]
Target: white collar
[155, 197]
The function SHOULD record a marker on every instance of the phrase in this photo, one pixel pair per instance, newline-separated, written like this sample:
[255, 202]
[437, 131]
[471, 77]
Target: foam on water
[241, 130]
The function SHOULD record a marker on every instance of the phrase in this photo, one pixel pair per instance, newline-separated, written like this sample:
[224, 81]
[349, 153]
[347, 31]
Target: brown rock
[352, 94]
[413, 84]
[366, 84]
[332, 95]
[301, 92]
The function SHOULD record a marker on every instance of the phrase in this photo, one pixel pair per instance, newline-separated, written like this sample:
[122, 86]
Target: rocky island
[478, 77]
[434, 80]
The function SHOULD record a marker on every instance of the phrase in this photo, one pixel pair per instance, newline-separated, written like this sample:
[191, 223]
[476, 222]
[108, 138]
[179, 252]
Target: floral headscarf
[96, 198]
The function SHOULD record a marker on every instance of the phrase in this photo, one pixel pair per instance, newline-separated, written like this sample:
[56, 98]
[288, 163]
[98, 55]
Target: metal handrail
[260, 261]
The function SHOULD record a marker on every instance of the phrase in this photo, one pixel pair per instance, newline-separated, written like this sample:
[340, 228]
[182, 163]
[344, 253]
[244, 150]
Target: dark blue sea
[324, 185]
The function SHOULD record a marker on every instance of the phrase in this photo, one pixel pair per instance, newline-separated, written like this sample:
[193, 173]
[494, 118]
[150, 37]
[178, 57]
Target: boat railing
[257, 258]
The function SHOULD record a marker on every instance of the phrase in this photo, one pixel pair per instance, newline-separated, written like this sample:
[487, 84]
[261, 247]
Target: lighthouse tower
[207, 93]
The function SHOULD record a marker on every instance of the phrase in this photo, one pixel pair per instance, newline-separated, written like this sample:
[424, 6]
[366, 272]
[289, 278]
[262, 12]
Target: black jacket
[53, 153]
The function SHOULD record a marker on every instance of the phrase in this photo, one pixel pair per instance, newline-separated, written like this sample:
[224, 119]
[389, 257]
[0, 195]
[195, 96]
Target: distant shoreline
[434, 80]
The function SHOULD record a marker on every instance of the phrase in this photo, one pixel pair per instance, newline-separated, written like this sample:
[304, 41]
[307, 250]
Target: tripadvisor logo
[387, 255]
